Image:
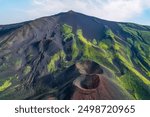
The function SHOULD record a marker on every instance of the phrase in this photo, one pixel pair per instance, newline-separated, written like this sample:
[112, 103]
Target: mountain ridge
[45, 55]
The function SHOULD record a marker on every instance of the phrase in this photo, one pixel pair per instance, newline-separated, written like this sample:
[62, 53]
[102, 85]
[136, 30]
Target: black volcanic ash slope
[40, 59]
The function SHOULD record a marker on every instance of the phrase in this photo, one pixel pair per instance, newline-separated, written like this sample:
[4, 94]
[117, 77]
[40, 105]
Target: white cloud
[118, 10]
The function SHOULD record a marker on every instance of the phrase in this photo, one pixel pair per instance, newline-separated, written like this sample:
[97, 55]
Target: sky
[137, 11]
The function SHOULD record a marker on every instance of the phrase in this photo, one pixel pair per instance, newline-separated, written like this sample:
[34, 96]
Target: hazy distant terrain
[74, 56]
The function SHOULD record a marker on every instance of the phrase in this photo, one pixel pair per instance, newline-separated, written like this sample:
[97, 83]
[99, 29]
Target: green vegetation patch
[67, 32]
[145, 35]
[5, 85]
[148, 73]
[95, 53]
[129, 30]
[131, 83]
[82, 39]
[103, 45]
[129, 40]
[117, 46]
[110, 34]
[106, 50]
[67, 29]
[27, 70]
[52, 64]
[75, 49]
[18, 63]
[94, 41]
[132, 69]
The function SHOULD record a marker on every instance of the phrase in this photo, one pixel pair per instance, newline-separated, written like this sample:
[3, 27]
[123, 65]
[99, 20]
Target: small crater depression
[89, 79]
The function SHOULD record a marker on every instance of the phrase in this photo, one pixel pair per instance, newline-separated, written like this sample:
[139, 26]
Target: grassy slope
[107, 50]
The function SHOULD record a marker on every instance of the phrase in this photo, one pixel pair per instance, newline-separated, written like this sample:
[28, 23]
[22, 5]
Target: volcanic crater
[93, 84]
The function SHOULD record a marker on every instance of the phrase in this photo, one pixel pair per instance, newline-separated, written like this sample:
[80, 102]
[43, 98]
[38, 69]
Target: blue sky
[138, 11]
[12, 11]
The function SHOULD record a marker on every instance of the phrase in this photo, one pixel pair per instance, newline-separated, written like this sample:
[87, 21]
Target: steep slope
[68, 55]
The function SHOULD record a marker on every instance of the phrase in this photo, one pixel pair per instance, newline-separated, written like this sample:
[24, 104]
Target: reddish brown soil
[103, 90]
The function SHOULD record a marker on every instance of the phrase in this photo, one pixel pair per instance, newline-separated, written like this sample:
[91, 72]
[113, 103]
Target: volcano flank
[72, 56]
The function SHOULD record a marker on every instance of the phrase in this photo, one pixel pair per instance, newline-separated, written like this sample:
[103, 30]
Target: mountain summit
[74, 56]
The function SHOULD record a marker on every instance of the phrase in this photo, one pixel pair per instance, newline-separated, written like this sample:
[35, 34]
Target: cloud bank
[118, 10]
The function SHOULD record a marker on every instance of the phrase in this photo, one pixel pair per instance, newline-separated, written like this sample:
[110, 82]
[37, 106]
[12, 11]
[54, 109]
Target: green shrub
[5, 85]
